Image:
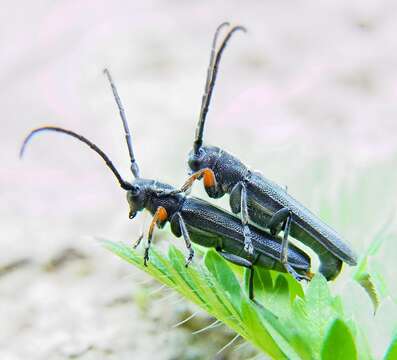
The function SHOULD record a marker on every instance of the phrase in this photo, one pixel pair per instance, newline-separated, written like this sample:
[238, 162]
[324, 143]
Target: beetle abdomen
[266, 197]
[203, 218]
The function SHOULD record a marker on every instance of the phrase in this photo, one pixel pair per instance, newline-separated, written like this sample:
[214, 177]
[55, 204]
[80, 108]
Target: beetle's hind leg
[279, 221]
[238, 203]
[237, 260]
[283, 217]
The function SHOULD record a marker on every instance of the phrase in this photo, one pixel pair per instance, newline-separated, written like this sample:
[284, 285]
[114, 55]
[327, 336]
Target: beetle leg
[248, 247]
[283, 217]
[210, 182]
[160, 215]
[238, 202]
[284, 249]
[235, 198]
[237, 260]
[138, 241]
[279, 220]
[251, 284]
[186, 236]
[142, 233]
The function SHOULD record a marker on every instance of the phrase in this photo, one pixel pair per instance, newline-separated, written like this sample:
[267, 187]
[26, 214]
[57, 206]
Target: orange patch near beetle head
[209, 178]
[162, 214]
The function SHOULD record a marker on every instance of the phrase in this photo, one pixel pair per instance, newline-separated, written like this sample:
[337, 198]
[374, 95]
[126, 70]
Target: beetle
[192, 218]
[255, 198]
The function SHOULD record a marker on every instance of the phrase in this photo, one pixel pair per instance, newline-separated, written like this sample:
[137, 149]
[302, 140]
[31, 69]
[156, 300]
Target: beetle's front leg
[237, 260]
[141, 235]
[210, 184]
[238, 203]
[138, 241]
[161, 216]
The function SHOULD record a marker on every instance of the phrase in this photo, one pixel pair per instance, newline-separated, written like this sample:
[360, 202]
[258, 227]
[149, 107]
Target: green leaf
[283, 321]
[365, 280]
[258, 330]
[224, 275]
[263, 282]
[314, 312]
[391, 353]
[338, 343]
[295, 288]
[372, 281]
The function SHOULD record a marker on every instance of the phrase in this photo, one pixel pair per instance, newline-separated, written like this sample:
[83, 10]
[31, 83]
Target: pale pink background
[308, 96]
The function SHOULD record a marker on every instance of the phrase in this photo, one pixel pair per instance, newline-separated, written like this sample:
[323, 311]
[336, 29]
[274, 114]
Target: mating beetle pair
[265, 208]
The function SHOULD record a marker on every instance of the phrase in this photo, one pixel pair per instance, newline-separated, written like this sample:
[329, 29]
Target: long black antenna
[134, 165]
[124, 184]
[211, 64]
[210, 81]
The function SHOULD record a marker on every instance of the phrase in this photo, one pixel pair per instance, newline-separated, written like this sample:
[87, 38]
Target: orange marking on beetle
[162, 214]
[310, 275]
[209, 178]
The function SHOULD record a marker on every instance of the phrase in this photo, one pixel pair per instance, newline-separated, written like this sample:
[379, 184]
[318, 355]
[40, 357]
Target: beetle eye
[135, 189]
[194, 164]
[196, 159]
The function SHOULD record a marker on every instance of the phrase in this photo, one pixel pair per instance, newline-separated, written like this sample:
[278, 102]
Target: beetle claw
[295, 274]
[189, 259]
[188, 262]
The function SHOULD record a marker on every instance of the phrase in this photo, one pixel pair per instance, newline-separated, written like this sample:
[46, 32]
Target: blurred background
[307, 96]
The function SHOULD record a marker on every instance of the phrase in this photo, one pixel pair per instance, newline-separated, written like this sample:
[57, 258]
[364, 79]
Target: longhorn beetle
[256, 198]
[194, 219]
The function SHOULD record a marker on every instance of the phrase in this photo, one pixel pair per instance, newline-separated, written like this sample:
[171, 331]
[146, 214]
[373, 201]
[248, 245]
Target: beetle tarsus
[248, 247]
[295, 274]
[189, 259]
[146, 257]
[186, 237]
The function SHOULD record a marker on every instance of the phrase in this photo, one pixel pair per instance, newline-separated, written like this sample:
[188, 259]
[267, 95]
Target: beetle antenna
[134, 165]
[211, 63]
[210, 81]
[124, 184]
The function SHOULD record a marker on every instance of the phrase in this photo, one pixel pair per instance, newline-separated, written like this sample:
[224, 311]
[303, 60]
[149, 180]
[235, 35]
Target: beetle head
[204, 157]
[136, 197]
